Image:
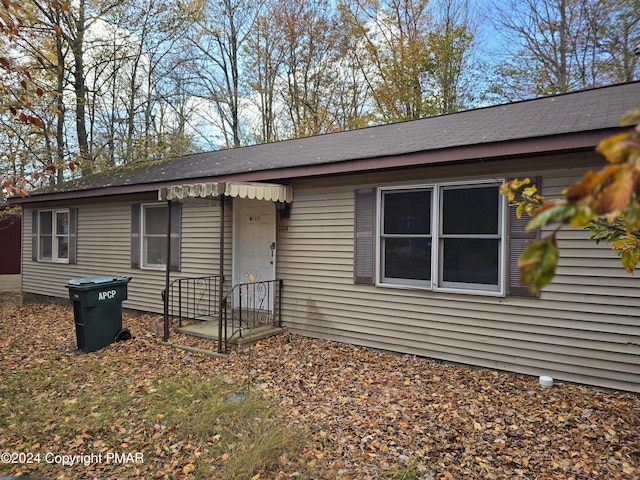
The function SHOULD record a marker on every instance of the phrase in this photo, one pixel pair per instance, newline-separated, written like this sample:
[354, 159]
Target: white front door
[254, 251]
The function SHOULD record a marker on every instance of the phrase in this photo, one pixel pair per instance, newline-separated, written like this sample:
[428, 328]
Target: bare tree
[565, 45]
[135, 56]
[621, 40]
[263, 69]
[451, 47]
[220, 29]
[306, 41]
[350, 105]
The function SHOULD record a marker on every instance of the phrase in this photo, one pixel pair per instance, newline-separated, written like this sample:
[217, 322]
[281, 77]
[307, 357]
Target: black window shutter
[135, 235]
[364, 233]
[517, 242]
[176, 227]
[34, 234]
[73, 234]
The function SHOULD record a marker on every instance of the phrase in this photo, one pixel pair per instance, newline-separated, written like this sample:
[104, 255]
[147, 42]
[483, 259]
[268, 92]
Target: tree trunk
[81, 91]
[60, 106]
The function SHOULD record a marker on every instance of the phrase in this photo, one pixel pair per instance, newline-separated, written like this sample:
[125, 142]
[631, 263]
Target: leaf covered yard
[315, 409]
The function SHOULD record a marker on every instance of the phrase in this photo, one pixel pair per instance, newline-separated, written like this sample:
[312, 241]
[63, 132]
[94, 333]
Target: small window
[53, 237]
[154, 236]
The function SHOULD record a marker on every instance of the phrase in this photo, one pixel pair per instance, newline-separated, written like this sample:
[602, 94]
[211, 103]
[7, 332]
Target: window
[470, 240]
[405, 237]
[149, 235]
[445, 237]
[54, 234]
[154, 236]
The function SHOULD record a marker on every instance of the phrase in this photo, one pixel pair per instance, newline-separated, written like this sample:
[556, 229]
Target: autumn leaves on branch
[605, 202]
[17, 94]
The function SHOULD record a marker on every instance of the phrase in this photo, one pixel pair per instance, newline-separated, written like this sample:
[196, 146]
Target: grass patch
[246, 436]
[180, 423]
[410, 472]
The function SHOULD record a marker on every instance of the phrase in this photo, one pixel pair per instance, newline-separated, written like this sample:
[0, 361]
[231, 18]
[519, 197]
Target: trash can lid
[98, 279]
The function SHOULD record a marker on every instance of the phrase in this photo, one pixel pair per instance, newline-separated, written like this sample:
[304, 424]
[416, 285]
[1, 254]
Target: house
[393, 237]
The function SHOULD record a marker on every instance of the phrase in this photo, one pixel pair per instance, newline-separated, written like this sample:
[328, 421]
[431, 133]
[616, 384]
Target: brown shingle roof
[546, 118]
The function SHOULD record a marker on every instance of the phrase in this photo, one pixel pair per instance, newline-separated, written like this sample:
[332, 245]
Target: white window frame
[56, 237]
[144, 236]
[384, 280]
[436, 283]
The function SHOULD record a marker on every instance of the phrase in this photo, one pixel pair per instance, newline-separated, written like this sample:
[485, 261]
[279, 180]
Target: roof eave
[565, 142]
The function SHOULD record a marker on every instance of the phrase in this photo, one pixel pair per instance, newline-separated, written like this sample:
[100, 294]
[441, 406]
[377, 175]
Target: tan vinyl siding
[585, 327]
[104, 247]
[103, 233]
[201, 240]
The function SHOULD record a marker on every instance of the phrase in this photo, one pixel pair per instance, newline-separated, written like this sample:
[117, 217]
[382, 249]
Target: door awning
[254, 191]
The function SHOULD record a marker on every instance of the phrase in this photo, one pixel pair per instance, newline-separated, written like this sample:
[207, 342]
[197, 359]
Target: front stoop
[252, 335]
[209, 330]
[203, 351]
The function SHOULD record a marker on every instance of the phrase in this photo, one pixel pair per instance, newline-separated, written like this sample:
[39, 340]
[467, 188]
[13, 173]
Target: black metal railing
[194, 298]
[253, 305]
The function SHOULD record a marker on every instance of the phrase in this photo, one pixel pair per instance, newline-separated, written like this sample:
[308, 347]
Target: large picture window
[442, 237]
[53, 237]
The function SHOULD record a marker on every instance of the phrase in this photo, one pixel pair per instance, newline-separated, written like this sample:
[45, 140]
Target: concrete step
[209, 330]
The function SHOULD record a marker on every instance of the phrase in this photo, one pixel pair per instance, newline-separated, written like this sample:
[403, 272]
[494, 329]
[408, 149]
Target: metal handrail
[197, 298]
[258, 304]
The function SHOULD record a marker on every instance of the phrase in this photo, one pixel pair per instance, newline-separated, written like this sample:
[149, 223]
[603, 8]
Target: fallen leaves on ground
[367, 413]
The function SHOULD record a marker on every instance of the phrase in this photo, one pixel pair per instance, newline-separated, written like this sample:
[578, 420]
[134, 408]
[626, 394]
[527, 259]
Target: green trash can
[97, 309]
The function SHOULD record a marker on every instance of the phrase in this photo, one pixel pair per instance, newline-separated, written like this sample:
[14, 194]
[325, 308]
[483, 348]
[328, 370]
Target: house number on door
[254, 218]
